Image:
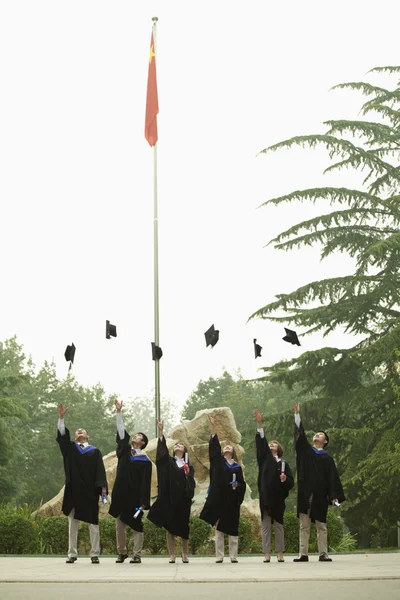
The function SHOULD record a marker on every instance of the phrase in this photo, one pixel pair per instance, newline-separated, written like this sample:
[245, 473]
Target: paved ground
[348, 577]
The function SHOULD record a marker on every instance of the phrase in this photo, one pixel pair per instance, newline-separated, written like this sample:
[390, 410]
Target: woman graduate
[176, 486]
[275, 480]
[225, 495]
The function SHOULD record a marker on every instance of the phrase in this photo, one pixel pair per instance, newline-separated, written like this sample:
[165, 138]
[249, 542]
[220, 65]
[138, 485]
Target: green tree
[356, 396]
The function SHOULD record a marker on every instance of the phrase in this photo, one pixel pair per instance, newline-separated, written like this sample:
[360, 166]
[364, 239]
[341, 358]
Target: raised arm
[120, 423]
[300, 438]
[162, 450]
[262, 447]
[61, 414]
[214, 447]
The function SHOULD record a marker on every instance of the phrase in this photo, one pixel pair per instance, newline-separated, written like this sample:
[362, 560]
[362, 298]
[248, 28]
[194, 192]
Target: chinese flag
[150, 128]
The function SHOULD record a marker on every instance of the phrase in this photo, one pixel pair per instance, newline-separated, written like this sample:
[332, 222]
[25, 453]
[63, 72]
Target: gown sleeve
[190, 483]
[335, 489]
[162, 455]
[300, 439]
[289, 483]
[64, 441]
[145, 488]
[241, 488]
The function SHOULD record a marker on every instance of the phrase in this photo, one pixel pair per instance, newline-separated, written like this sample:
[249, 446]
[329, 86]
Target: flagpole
[156, 291]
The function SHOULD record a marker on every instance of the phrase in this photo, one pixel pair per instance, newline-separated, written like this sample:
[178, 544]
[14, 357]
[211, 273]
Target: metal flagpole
[156, 299]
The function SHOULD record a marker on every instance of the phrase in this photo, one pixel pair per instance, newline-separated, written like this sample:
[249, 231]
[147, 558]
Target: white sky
[76, 182]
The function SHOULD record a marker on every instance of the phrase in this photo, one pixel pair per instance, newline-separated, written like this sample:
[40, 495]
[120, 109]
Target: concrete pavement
[250, 569]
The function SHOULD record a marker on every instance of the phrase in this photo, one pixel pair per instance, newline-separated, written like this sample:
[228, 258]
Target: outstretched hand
[118, 404]
[296, 406]
[160, 427]
[259, 417]
[61, 410]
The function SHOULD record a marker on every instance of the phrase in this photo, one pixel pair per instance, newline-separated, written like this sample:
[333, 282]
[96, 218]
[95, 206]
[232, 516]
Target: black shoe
[171, 561]
[121, 558]
[185, 560]
[71, 559]
[220, 560]
[281, 560]
[234, 560]
[302, 558]
[267, 560]
[135, 559]
[324, 558]
[95, 560]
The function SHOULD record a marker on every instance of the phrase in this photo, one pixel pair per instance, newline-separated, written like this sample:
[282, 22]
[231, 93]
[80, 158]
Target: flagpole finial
[154, 19]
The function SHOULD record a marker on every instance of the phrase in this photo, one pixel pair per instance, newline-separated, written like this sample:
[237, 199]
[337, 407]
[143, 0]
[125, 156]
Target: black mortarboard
[70, 354]
[257, 348]
[291, 336]
[111, 330]
[156, 351]
[212, 336]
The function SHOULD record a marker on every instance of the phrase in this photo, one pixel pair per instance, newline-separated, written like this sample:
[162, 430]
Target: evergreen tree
[356, 385]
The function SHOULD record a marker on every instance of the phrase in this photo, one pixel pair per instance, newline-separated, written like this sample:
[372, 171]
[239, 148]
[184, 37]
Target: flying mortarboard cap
[156, 351]
[212, 336]
[70, 354]
[291, 337]
[257, 348]
[111, 330]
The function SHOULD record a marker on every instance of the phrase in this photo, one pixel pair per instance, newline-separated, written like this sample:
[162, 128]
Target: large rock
[195, 434]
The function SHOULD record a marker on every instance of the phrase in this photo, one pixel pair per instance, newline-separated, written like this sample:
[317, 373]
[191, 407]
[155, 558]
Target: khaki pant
[219, 545]
[73, 527]
[171, 544]
[138, 537]
[266, 531]
[322, 535]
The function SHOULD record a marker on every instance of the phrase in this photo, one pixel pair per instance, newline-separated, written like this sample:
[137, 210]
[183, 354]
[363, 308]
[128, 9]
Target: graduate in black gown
[85, 482]
[131, 491]
[176, 486]
[318, 484]
[275, 480]
[225, 495]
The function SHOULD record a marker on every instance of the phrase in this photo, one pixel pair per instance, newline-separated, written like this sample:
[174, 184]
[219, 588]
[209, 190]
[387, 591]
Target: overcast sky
[76, 183]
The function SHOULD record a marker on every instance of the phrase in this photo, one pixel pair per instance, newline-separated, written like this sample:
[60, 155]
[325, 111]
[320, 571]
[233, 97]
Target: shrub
[199, 535]
[246, 537]
[155, 541]
[54, 535]
[18, 534]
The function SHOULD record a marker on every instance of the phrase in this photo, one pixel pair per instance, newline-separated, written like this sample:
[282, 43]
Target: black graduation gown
[85, 476]
[317, 475]
[175, 493]
[223, 502]
[272, 491]
[132, 485]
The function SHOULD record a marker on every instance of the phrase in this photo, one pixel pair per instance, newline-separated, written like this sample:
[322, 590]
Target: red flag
[150, 128]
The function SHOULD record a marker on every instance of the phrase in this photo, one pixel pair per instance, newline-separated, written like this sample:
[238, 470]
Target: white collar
[84, 444]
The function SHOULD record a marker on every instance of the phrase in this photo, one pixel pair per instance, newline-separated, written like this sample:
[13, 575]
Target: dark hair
[326, 437]
[145, 439]
[185, 450]
[280, 448]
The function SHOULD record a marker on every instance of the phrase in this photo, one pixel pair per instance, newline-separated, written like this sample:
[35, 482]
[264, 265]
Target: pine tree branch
[354, 198]
[355, 217]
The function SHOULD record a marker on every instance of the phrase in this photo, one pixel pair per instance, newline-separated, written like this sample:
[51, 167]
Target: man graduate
[85, 481]
[318, 486]
[131, 491]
